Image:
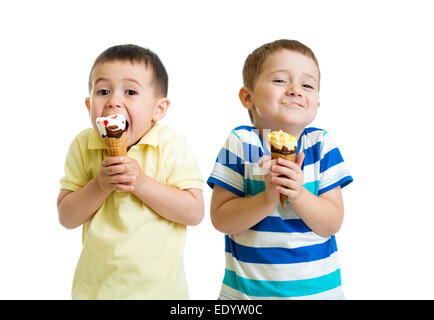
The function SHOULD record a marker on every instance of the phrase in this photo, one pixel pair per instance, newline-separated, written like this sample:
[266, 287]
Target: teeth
[285, 101]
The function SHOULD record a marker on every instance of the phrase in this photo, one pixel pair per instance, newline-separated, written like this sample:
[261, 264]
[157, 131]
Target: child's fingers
[300, 158]
[291, 173]
[288, 192]
[289, 164]
[116, 169]
[294, 165]
[285, 182]
[265, 164]
[113, 160]
[123, 187]
[264, 159]
[122, 178]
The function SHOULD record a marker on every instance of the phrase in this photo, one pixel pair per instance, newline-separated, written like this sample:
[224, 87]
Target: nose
[115, 101]
[293, 90]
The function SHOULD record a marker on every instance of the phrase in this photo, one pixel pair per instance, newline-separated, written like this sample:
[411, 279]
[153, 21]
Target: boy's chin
[294, 121]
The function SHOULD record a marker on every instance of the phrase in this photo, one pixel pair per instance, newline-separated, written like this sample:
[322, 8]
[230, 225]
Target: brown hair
[136, 54]
[254, 62]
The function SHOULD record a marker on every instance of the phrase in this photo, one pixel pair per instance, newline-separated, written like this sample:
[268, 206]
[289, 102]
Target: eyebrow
[100, 79]
[132, 80]
[304, 74]
[125, 79]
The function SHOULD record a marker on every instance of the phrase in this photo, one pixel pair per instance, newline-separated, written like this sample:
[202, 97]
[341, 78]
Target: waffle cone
[290, 157]
[116, 147]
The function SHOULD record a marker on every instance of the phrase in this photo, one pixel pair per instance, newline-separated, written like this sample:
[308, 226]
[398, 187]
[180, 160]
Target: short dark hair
[136, 54]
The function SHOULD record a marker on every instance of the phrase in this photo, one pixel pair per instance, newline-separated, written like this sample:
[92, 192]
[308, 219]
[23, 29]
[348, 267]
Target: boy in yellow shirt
[134, 209]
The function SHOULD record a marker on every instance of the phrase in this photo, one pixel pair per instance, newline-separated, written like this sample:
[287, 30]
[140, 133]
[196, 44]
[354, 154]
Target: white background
[376, 60]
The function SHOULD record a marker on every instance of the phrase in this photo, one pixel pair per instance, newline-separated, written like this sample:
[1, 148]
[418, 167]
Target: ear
[87, 102]
[246, 98]
[160, 109]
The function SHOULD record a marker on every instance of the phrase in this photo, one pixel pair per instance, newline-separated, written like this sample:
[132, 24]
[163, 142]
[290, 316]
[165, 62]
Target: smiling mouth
[287, 102]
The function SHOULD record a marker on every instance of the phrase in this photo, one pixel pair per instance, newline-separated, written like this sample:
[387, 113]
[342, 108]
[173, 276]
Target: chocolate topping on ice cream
[114, 132]
[284, 150]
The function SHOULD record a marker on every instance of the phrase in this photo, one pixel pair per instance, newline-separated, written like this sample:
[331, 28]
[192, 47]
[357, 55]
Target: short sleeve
[75, 176]
[182, 169]
[333, 170]
[228, 171]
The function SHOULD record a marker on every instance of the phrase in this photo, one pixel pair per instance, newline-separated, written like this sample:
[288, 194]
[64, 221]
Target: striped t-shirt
[280, 257]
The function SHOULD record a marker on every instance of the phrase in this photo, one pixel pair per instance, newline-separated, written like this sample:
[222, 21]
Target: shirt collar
[152, 138]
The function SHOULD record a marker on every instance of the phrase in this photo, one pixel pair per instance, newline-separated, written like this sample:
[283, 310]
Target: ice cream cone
[113, 131]
[283, 146]
[116, 147]
[290, 157]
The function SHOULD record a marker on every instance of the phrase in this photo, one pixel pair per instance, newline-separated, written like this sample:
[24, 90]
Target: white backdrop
[376, 60]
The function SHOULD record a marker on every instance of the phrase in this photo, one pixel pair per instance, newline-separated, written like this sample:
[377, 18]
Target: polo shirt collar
[152, 138]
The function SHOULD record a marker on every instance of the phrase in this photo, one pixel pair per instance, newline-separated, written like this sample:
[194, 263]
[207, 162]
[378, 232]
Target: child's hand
[117, 173]
[271, 193]
[288, 177]
[133, 169]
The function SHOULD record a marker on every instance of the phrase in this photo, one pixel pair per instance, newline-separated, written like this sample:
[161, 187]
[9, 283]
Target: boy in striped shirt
[271, 252]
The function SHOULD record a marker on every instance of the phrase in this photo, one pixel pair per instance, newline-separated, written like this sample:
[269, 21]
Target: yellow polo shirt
[129, 251]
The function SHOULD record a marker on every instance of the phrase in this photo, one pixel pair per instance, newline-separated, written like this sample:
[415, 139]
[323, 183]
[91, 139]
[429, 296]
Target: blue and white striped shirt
[280, 257]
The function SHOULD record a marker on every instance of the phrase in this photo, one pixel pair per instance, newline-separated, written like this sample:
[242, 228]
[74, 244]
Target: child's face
[120, 87]
[286, 93]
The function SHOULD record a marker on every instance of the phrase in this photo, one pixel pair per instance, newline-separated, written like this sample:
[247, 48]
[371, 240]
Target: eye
[280, 81]
[308, 86]
[131, 92]
[103, 92]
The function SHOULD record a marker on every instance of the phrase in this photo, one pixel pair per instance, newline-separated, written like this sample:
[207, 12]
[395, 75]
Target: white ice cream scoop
[115, 120]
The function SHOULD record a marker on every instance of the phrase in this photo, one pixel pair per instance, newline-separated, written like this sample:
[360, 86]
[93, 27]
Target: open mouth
[127, 125]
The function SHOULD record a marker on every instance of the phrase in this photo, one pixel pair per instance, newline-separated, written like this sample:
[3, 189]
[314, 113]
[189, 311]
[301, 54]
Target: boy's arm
[232, 214]
[123, 173]
[181, 206]
[322, 214]
[76, 207]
